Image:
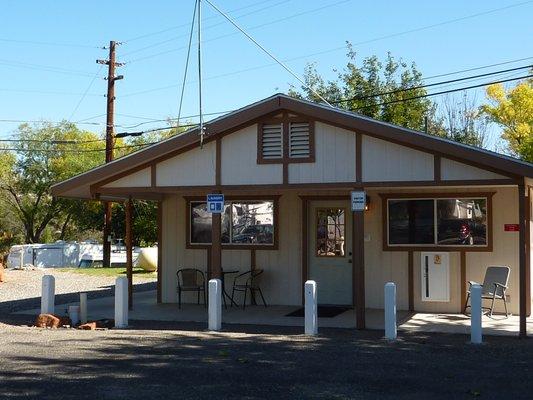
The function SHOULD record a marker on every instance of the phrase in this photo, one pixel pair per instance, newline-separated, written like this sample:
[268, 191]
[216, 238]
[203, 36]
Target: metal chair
[493, 288]
[247, 281]
[191, 280]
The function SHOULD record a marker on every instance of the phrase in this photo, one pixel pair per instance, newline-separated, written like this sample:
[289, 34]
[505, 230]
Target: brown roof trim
[361, 124]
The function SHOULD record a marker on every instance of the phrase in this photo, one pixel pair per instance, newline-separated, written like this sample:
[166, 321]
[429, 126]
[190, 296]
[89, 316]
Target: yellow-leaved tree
[513, 110]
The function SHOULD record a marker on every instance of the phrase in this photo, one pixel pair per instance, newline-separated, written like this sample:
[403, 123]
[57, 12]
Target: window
[249, 222]
[330, 232]
[411, 222]
[439, 222]
[462, 222]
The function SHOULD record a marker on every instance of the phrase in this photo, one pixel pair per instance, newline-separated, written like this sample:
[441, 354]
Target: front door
[330, 250]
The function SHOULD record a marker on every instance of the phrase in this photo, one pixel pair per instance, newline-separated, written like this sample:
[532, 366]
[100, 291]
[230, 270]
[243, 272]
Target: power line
[85, 93]
[444, 92]
[285, 67]
[129, 146]
[40, 67]
[186, 24]
[430, 85]
[250, 28]
[40, 43]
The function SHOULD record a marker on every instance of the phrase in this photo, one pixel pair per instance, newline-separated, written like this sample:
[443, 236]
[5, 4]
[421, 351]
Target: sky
[49, 50]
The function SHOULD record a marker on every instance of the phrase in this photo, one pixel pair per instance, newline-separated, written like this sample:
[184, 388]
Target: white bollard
[214, 320]
[311, 309]
[83, 307]
[48, 295]
[390, 311]
[475, 316]
[121, 302]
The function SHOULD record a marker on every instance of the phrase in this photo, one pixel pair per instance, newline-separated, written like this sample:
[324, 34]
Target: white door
[330, 250]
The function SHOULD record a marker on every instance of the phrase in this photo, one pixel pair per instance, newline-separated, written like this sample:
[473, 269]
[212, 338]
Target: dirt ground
[166, 361]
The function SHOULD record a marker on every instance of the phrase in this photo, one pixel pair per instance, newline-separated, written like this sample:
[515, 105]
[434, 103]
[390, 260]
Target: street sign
[358, 200]
[511, 227]
[215, 203]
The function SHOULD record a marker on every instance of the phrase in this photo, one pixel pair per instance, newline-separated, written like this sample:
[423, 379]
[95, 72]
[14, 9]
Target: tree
[376, 89]
[513, 111]
[459, 120]
[43, 155]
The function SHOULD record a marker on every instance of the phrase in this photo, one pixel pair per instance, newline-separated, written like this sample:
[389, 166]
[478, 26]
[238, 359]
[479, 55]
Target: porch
[146, 308]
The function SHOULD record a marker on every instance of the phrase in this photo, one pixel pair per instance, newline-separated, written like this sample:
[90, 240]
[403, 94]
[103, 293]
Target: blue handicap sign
[215, 203]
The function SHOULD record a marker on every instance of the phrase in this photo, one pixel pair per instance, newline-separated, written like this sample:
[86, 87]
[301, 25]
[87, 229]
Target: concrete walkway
[145, 308]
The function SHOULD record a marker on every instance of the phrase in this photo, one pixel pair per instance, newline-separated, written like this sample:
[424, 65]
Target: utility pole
[109, 142]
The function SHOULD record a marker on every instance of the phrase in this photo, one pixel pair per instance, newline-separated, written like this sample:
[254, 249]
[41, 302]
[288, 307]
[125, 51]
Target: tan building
[437, 213]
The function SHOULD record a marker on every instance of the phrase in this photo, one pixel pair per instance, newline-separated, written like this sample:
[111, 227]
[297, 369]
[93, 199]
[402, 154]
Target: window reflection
[330, 232]
[462, 222]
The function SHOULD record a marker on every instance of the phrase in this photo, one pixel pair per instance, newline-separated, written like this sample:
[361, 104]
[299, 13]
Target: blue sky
[49, 50]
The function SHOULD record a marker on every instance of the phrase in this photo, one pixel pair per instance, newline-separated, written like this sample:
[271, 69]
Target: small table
[224, 293]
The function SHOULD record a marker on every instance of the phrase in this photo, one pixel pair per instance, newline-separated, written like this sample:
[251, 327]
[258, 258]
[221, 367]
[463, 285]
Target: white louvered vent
[272, 144]
[299, 140]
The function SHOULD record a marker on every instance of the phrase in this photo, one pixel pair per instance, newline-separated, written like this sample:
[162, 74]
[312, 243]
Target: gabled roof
[78, 186]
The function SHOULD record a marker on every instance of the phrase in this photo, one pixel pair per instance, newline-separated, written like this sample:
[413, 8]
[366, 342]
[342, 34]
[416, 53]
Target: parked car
[255, 234]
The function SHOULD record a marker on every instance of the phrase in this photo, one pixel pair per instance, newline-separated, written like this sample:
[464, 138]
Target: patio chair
[493, 288]
[191, 280]
[247, 281]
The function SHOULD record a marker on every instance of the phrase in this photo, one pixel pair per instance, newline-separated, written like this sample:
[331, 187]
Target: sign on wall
[215, 203]
[358, 200]
[511, 227]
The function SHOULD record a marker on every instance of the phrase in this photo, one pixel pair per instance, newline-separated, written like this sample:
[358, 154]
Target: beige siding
[334, 157]
[239, 161]
[282, 278]
[382, 266]
[384, 162]
[140, 178]
[453, 170]
[192, 168]
[281, 281]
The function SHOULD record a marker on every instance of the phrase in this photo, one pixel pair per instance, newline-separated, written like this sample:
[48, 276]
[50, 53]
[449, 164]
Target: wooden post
[410, 277]
[463, 279]
[358, 259]
[129, 251]
[216, 247]
[159, 252]
[522, 248]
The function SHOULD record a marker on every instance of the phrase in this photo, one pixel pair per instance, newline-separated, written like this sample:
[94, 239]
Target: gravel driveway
[179, 364]
[22, 289]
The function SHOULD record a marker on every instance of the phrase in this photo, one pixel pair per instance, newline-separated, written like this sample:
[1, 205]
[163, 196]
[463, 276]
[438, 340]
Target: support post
[129, 250]
[475, 316]
[121, 302]
[522, 257]
[358, 259]
[215, 305]
[390, 311]
[311, 309]
[159, 252]
[216, 247]
[48, 295]
[83, 307]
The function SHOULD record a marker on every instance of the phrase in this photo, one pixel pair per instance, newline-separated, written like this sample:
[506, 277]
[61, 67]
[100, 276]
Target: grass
[113, 272]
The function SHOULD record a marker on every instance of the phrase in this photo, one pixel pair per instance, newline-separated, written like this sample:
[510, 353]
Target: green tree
[373, 88]
[45, 154]
[513, 110]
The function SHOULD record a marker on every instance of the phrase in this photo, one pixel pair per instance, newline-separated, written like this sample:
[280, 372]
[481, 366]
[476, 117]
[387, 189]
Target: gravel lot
[22, 289]
[167, 364]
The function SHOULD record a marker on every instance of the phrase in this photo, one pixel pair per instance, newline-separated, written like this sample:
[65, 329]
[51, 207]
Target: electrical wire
[85, 93]
[40, 43]
[266, 51]
[187, 60]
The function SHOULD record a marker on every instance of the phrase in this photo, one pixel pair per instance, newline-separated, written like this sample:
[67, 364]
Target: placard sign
[358, 201]
[215, 203]
[511, 227]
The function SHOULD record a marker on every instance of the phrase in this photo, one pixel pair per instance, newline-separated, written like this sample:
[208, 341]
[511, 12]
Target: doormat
[323, 311]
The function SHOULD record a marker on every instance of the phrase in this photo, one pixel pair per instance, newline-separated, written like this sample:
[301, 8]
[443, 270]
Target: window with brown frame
[443, 222]
[285, 138]
[244, 223]
[330, 232]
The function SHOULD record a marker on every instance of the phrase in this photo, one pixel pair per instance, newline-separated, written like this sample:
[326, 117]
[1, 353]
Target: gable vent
[299, 146]
[272, 141]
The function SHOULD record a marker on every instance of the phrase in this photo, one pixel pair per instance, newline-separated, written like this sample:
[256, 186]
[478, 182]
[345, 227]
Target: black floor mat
[323, 311]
